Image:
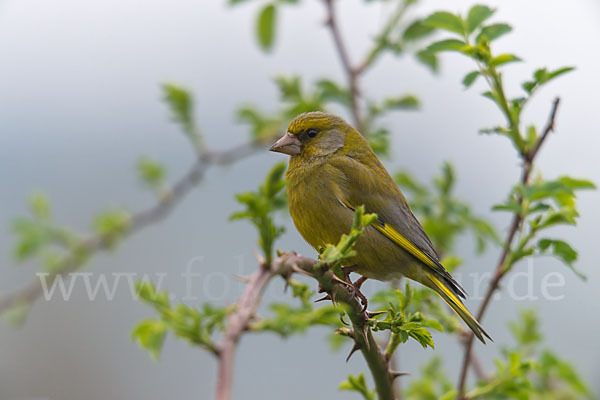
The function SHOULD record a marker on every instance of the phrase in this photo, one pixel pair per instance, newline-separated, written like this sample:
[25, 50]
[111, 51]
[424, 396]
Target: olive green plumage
[332, 170]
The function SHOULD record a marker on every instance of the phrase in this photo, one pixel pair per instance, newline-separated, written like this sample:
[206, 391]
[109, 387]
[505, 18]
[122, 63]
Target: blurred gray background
[80, 102]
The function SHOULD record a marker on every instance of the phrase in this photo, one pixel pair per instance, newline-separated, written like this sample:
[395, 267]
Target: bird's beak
[288, 144]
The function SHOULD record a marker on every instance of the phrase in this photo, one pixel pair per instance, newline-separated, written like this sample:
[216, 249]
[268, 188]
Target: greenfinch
[332, 170]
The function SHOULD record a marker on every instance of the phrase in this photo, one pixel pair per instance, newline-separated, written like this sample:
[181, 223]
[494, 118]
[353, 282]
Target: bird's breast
[314, 206]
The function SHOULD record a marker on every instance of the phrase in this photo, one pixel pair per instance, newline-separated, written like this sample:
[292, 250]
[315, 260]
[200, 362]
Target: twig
[500, 271]
[351, 72]
[549, 128]
[95, 243]
[382, 37]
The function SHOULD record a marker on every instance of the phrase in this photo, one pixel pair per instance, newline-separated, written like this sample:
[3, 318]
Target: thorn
[338, 280]
[359, 282]
[260, 259]
[326, 297]
[363, 300]
[299, 270]
[396, 374]
[373, 314]
[342, 319]
[241, 278]
[354, 349]
[333, 296]
[287, 285]
[345, 332]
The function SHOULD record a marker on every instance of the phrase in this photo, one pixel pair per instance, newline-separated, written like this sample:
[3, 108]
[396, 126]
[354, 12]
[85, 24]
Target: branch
[500, 271]
[382, 37]
[96, 243]
[237, 324]
[352, 73]
[285, 265]
[549, 128]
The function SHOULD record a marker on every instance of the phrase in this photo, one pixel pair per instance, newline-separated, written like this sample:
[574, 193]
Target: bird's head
[316, 134]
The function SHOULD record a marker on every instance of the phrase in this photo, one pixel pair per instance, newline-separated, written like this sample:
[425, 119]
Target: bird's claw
[355, 286]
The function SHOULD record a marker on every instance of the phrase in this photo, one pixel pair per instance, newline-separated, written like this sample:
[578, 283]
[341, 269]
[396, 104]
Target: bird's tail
[454, 302]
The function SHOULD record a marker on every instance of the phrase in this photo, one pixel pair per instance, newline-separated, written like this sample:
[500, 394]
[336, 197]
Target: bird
[332, 170]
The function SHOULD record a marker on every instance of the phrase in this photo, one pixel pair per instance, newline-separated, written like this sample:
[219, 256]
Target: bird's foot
[356, 291]
[355, 286]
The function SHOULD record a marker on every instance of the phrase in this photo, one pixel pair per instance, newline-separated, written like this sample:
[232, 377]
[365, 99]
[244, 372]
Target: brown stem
[351, 72]
[528, 159]
[477, 368]
[237, 323]
[95, 243]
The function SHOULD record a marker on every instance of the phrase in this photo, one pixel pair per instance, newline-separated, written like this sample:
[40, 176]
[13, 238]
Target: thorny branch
[285, 265]
[500, 271]
[96, 243]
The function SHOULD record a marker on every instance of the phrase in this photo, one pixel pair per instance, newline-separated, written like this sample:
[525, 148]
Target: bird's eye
[311, 133]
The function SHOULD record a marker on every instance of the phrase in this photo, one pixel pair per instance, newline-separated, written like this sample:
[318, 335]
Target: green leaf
[150, 335]
[556, 73]
[151, 172]
[265, 27]
[32, 237]
[358, 384]
[526, 330]
[419, 333]
[470, 78]
[558, 370]
[263, 128]
[433, 384]
[112, 223]
[446, 21]
[260, 206]
[478, 14]
[446, 45]
[407, 182]
[561, 250]
[333, 255]
[16, 314]
[576, 184]
[407, 102]
[417, 30]
[546, 189]
[504, 59]
[542, 76]
[450, 263]
[289, 320]
[331, 91]
[181, 103]
[148, 293]
[428, 59]
[289, 87]
[492, 96]
[511, 206]
[39, 204]
[493, 32]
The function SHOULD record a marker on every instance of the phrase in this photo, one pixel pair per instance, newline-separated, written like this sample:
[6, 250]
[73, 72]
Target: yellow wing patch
[403, 242]
[448, 293]
[400, 240]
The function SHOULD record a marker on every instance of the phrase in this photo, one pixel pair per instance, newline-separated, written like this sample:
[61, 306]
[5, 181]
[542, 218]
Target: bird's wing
[373, 187]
